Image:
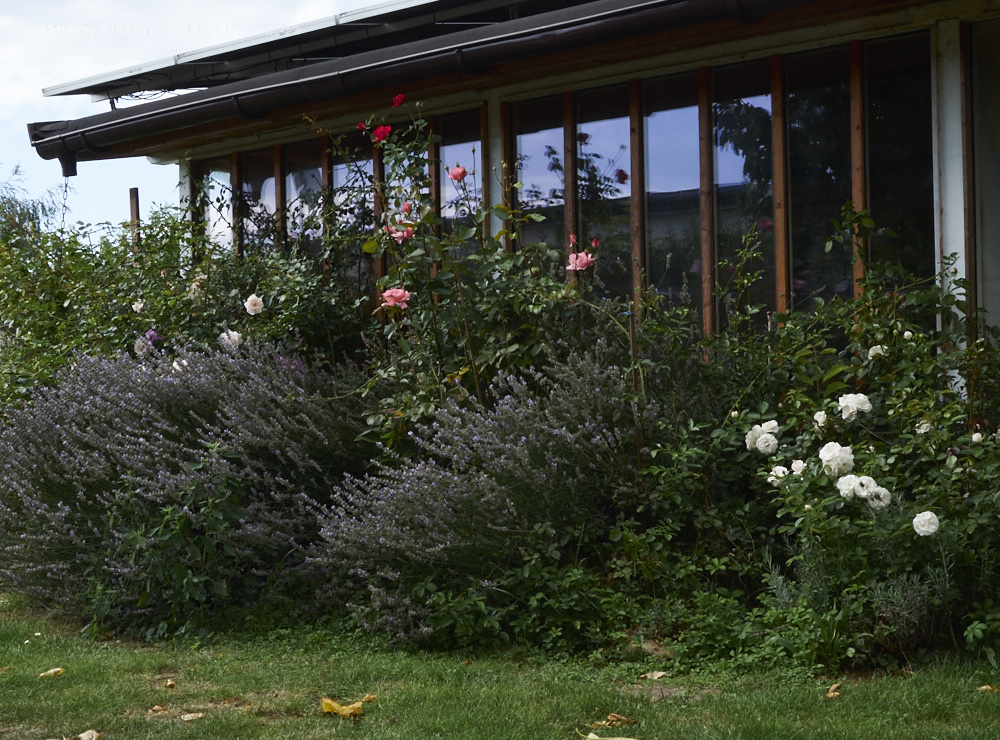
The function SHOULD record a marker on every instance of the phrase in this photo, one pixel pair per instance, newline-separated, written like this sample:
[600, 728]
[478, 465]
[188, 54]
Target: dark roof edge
[467, 51]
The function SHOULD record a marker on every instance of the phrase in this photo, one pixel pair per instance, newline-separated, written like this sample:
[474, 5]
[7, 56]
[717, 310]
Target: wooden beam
[236, 200]
[706, 147]
[859, 179]
[280, 197]
[779, 159]
[133, 206]
[637, 148]
[569, 169]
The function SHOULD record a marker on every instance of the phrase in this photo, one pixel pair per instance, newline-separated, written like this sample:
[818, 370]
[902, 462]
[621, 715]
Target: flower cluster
[864, 487]
[761, 438]
[837, 459]
[851, 403]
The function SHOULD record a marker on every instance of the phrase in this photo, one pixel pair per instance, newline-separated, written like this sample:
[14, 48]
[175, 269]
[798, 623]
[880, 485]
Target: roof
[396, 42]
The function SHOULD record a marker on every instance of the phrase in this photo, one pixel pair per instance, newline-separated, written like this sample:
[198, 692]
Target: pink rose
[580, 261]
[395, 297]
[400, 235]
[572, 240]
[407, 208]
[457, 173]
[595, 243]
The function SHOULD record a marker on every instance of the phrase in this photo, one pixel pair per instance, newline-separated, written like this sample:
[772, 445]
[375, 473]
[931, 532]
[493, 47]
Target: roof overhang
[467, 52]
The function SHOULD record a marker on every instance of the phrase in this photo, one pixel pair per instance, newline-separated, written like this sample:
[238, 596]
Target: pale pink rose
[395, 297]
[457, 173]
[407, 208]
[254, 304]
[400, 235]
[580, 261]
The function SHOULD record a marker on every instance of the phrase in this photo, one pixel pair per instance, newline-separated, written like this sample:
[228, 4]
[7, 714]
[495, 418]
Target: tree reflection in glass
[538, 145]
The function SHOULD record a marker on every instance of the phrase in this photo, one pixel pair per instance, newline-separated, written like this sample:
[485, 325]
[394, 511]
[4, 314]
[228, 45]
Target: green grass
[269, 688]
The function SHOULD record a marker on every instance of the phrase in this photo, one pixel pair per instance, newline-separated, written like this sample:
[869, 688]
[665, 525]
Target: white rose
[771, 427]
[977, 438]
[820, 418]
[767, 444]
[142, 347]
[230, 340]
[879, 498]
[866, 484]
[907, 335]
[777, 473]
[798, 466]
[254, 304]
[923, 427]
[138, 306]
[752, 436]
[837, 460]
[878, 349]
[851, 403]
[847, 485]
[925, 523]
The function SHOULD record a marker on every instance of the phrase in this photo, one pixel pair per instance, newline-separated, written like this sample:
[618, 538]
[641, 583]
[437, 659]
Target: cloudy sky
[57, 41]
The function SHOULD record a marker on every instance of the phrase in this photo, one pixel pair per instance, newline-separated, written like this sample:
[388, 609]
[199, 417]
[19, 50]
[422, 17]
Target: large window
[673, 180]
[537, 128]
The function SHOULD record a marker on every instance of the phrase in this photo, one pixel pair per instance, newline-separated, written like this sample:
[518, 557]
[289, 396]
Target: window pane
[257, 205]
[818, 110]
[218, 193]
[538, 160]
[673, 183]
[603, 190]
[460, 146]
[899, 150]
[303, 192]
[743, 189]
[986, 94]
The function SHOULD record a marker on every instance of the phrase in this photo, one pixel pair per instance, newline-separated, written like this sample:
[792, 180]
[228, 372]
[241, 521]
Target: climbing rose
[138, 306]
[580, 261]
[851, 403]
[142, 347]
[400, 235]
[254, 304]
[767, 443]
[230, 340]
[395, 297]
[381, 132]
[407, 208]
[362, 126]
[398, 100]
[837, 460]
[457, 173]
[878, 349]
[925, 523]
[798, 466]
[777, 473]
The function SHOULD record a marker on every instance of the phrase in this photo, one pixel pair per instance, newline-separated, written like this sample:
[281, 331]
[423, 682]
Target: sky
[50, 43]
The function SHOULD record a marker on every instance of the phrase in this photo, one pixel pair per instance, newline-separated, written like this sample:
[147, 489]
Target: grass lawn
[270, 688]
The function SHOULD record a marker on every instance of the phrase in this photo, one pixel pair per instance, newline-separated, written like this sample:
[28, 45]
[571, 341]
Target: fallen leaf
[156, 710]
[370, 697]
[332, 707]
[989, 689]
[170, 684]
[51, 672]
[654, 675]
[88, 735]
[614, 720]
[193, 716]
[592, 736]
[833, 693]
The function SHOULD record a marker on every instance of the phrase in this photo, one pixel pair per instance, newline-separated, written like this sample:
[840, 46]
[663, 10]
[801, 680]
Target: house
[667, 128]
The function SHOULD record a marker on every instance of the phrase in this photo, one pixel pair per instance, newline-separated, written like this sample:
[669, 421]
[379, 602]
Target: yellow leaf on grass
[370, 697]
[614, 720]
[193, 716]
[833, 693]
[170, 684]
[332, 707]
[51, 672]
[989, 689]
[654, 675]
[88, 735]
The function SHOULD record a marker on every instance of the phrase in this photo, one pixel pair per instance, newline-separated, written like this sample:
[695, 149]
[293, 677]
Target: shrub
[151, 494]
[504, 505]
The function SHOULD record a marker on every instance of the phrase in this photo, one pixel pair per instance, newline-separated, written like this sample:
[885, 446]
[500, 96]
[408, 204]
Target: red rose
[381, 132]
[398, 100]
[362, 126]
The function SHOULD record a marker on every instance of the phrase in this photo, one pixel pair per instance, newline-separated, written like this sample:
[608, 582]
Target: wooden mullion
[508, 170]
[485, 183]
[637, 150]
[706, 146]
[859, 179]
[569, 171]
[280, 196]
[779, 158]
[969, 173]
[236, 208]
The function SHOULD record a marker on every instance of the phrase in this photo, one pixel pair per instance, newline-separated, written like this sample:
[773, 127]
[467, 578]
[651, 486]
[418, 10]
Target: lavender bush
[153, 493]
[490, 488]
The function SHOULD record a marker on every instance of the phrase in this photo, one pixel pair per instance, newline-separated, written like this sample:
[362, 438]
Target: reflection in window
[673, 182]
[986, 133]
[459, 146]
[602, 183]
[257, 199]
[741, 111]
[538, 160]
[818, 110]
[350, 213]
[899, 150]
[303, 192]
[217, 193]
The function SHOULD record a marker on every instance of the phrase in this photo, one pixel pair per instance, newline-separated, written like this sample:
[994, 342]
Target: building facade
[667, 129]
